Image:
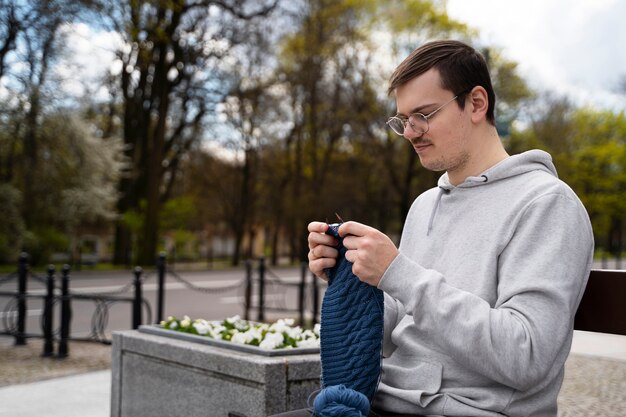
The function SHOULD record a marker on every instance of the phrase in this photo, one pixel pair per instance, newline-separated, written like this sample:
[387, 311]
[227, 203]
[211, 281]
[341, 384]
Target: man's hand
[370, 251]
[322, 249]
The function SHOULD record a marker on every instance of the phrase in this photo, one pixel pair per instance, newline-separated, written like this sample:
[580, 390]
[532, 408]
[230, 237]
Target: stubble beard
[446, 163]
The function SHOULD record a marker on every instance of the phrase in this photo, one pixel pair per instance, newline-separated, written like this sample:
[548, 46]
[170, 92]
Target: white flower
[308, 343]
[272, 341]
[308, 334]
[241, 338]
[295, 332]
[233, 319]
[316, 329]
[216, 331]
[253, 334]
[202, 326]
[282, 325]
[262, 327]
[186, 322]
[173, 325]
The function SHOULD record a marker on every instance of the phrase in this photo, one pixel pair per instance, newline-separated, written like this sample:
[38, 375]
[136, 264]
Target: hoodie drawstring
[435, 207]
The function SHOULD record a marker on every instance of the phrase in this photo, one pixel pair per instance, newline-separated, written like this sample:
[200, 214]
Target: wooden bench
[603, 306]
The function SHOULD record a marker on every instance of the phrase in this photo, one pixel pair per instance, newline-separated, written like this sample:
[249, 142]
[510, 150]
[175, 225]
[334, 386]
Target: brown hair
[460, 67]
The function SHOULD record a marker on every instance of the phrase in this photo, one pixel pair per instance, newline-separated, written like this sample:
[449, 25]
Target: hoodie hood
[534, 160]
[512, 166]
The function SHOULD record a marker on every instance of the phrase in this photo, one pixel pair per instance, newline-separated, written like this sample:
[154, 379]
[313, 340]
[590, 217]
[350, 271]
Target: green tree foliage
[45, 152]
[511, 89]
[597, 171]
[12, 228]
[74, 186]
[216, 184]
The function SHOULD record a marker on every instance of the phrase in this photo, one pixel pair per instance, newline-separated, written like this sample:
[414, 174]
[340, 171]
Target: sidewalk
[595, 384]
[595, 377]
[83, 395]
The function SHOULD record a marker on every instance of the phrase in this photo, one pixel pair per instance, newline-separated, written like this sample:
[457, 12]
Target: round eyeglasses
[417, 121]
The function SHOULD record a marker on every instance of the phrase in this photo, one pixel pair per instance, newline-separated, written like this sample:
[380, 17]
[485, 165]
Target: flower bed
[280, 335]
[277, 339]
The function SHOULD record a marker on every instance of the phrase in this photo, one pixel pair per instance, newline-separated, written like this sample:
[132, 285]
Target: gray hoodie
[480, 302]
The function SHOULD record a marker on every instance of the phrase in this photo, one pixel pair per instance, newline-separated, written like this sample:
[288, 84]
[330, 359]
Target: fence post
[316, 301]
[161, 293]
[302, 289]
[137, 299]
[261, 289]
[48, 314]
[248, 294]
[66, 312]
[22, 272]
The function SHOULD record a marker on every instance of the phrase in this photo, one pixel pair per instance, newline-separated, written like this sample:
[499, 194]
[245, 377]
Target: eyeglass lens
[418, 122]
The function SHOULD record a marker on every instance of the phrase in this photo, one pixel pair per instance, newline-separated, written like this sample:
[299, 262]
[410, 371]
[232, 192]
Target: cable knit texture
[351, 330]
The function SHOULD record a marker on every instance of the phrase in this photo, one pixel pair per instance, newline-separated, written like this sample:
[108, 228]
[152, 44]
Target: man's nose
[409, 133]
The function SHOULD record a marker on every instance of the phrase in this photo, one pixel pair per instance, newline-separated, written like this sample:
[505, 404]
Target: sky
[575, 48]
[90, 55]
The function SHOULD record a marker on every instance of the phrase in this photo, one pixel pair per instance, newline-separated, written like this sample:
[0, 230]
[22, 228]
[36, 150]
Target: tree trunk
[31, 151]
[405, 195]
[122, 245]
[238, 243]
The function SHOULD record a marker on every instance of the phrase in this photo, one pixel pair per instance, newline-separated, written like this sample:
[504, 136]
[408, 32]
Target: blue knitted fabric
[351, 329]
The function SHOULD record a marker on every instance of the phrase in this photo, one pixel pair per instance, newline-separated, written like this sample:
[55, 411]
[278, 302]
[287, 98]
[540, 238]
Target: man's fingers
[350, 242]
[323, 251]
[353, 228]
[319, 227]
[350, 256]
[317, 238]
[319, 265]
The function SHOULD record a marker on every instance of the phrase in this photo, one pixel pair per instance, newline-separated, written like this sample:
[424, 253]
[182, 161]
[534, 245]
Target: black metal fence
[265, 281]
[263, 291]
[60, 296]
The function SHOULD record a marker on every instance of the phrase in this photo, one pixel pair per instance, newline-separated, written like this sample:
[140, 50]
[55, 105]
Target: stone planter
[157, 372]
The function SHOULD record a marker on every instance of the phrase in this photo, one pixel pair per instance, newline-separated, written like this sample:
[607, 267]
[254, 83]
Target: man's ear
[479, 101]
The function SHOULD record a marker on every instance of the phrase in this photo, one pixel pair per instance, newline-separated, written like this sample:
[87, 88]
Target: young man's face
[445, 146]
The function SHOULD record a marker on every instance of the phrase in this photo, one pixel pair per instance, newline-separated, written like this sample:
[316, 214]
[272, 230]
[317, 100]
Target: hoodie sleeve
[391, 321]
[542, 273]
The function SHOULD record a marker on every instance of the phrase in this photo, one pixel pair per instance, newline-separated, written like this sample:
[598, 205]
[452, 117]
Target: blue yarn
[351, 341]
[339, 401]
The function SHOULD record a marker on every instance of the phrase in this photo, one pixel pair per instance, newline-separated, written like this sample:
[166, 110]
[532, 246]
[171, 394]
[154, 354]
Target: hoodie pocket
[413, 380]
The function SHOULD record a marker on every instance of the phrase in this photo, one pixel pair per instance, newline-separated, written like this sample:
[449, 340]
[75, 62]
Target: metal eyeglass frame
[426, 117]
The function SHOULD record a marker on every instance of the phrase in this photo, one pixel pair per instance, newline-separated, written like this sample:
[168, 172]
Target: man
[480, 297]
